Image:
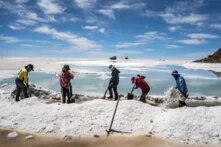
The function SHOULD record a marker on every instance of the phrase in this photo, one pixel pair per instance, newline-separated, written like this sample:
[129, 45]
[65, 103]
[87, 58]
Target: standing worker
[114, 81]
[65, 82]
[139, 82]
[181, 86]
[22, 81]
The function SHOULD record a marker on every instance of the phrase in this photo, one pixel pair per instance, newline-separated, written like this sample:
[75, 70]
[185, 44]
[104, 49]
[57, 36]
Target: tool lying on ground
[130, 95]
[112, 120]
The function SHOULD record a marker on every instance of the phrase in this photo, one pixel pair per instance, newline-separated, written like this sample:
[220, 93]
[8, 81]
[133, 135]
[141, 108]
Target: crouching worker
[139, 82]
[113, 83]
[181, 86]
[65, 82]
[22, 81]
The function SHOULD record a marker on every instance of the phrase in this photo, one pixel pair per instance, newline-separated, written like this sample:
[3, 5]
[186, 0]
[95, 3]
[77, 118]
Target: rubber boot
[63, 100]
[182, 103]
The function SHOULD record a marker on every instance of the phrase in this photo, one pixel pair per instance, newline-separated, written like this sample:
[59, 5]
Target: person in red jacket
[65, 82]
[139, 82]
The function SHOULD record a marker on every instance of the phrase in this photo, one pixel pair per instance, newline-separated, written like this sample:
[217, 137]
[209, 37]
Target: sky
[149, 29]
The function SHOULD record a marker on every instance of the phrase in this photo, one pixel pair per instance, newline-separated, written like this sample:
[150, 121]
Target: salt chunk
[29, 137]
[12, 135]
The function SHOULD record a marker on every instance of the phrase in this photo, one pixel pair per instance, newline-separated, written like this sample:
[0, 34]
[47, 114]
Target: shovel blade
[130, 96]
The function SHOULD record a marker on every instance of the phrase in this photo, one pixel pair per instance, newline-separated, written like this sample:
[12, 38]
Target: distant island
[113, 58]
[214, 58]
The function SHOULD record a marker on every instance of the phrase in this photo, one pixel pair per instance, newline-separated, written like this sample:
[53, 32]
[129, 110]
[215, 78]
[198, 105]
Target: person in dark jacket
[65, 82]
[139, 82]
[21, 81]
[113, 83]
[181, 86]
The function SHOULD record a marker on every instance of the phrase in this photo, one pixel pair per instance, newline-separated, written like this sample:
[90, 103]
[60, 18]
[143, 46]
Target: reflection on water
[94, 79]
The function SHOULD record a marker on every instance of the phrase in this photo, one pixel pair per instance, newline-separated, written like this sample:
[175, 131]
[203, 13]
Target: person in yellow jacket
[21, 81]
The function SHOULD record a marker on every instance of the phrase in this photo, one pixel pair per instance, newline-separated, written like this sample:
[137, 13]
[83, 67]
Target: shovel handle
[132, 89]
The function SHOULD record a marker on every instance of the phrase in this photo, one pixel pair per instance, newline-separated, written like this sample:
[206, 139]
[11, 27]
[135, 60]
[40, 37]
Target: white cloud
[128, 44]
[216, 26]
[51, 6]
[26, 17]
[26, 22]
[107, 12]
[149, 49]
[21, 1]
[192, 41]
[16, 27]
[127, 52]
[174, 28]
[102, 30]
[120, 5]
[202, 36]
[142, 39]
[198, 38]
[172, 46]
[8, 39]
[90, 27]
[85, 4]
[127, 5]
[94, 28]
[150, 13]
[148, 36]
[183, 19]
[69, 19]
[32, 45]
[77, 41]
[33, 16]
[182, 12]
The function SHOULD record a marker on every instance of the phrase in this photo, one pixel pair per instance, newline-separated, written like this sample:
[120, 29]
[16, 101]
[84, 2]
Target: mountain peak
[214, 58]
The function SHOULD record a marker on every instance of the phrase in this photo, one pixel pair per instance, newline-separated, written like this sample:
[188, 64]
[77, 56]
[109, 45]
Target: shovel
[130, 96]
[70, 92]
[105, 94]
[112, 120]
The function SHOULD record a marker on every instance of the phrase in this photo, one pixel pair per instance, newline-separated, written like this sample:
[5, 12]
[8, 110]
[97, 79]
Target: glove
[27, 86]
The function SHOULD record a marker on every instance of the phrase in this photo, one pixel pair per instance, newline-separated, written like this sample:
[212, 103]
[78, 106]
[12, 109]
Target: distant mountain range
[214, 58]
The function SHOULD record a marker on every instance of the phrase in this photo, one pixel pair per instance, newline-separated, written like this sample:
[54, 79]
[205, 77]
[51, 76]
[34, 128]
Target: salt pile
[189, 125]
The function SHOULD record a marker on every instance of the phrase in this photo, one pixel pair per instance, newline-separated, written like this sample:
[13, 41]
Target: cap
[66, 67]
[31, 67]
[110, 66]
[174, 73]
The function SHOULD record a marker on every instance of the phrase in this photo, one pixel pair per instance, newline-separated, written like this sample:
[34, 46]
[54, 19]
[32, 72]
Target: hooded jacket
[115, 76]
[23, 76]
[141, 83]
[65, 78]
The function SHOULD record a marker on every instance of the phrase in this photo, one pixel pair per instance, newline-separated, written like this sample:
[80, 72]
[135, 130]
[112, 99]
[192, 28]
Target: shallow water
[93, 79]
[117, 140]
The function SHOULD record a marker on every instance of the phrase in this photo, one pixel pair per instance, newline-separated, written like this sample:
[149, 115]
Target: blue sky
[183, 29]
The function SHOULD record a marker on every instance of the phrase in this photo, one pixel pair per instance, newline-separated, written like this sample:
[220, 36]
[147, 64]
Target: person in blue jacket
[181, 86]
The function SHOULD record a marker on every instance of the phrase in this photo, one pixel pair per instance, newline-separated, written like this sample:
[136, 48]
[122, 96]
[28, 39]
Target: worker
[22, 81]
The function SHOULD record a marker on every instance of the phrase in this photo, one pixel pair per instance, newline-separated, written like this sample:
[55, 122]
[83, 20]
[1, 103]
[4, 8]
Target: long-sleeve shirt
[115, 76]
[65, 78]
[23, 75]
[142, 84]
[181, 84]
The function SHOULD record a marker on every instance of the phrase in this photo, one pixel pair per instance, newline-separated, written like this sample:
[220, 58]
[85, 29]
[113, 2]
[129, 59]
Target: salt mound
[189, 125]
[172, 93]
